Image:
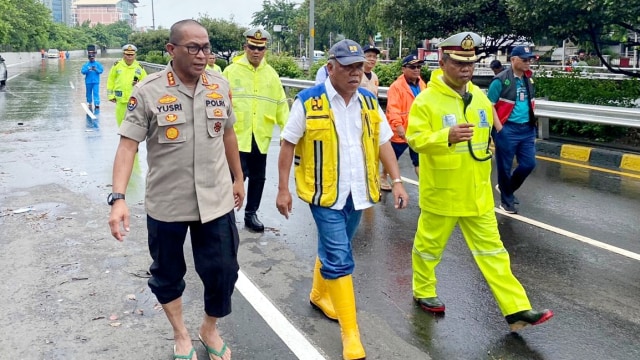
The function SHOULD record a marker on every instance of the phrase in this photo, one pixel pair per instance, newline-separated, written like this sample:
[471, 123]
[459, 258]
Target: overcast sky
[167, 12]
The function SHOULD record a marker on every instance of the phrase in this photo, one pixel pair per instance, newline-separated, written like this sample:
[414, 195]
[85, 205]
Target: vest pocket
[318, 128]
[170, 127]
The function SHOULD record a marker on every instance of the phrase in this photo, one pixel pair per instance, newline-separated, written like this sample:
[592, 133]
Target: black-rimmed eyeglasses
[195, 49]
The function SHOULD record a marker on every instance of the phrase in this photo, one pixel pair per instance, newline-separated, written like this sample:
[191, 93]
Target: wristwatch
[396, 181]
[111, 198]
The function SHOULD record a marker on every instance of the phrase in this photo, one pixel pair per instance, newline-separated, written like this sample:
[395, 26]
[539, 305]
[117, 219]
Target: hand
[400, 131]
[400, 196]
[238, 193]
[460, 132]
[284, 202]
[119, 214]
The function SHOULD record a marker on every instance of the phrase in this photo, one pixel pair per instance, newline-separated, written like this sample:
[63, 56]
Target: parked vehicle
[53, 53]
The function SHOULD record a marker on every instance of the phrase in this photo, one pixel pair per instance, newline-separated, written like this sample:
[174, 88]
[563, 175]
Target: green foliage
[285, 66]
[150, 41]
[388, 73]
[225, 36]
[156, 57]
[313, 69]
[573, 88]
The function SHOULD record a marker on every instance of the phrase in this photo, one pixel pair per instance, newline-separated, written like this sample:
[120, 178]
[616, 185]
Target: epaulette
[116, 63]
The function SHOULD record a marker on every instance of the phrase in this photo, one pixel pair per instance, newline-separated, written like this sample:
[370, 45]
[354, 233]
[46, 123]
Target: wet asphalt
[594, 292]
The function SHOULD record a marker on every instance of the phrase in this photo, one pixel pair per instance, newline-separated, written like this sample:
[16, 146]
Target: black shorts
[215, 255]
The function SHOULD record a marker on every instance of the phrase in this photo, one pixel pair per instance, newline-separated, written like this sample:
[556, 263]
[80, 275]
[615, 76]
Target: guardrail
[545, 110]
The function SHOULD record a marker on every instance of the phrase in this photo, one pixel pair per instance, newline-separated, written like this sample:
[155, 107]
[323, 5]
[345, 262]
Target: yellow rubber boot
[344, 302]
[319, 297]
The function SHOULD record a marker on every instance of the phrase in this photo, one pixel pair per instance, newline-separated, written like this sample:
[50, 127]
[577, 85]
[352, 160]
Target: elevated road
[73, 292]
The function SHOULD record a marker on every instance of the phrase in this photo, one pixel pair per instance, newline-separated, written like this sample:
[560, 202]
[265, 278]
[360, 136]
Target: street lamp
[153, 18]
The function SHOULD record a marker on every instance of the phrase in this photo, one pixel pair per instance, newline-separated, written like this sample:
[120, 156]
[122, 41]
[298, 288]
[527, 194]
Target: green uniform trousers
[121, 109]
[482, 237]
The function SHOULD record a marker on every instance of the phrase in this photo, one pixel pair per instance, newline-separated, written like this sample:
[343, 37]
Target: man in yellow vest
[260, 103]
[449, 127]
[334, 120]
[123, 76]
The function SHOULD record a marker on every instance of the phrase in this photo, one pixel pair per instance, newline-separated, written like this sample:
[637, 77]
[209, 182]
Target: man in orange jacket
[399, 99]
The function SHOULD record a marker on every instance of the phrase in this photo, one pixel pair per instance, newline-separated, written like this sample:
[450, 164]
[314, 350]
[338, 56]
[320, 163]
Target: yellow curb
[574, 152]
[630, 162]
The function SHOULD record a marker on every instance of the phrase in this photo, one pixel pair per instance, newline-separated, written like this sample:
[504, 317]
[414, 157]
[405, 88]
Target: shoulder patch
[116, 63]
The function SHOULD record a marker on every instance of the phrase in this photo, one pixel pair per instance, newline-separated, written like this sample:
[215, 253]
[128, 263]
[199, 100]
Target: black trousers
[254, 167]
[215, 255]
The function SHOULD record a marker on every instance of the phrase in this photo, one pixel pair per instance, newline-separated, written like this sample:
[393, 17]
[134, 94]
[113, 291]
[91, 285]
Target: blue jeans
[514, 140]
[336, 229]
[399, 148]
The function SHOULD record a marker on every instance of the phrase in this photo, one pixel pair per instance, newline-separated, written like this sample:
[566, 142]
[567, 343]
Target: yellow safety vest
[317, 155]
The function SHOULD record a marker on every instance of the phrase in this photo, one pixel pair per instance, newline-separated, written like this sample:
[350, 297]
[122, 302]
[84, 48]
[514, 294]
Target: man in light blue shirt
[512, 93]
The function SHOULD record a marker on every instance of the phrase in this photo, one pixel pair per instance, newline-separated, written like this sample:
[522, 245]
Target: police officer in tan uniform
[184, 114]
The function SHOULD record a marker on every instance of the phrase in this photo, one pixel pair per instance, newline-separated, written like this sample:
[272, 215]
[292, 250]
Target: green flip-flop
[213, 351]
[187, 357]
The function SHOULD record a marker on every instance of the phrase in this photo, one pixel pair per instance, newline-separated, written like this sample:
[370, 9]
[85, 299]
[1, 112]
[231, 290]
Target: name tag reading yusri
[449, 120]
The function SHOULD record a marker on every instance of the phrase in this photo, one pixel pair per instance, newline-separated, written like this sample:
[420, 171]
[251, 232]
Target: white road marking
[71, 84]
[584, 239]
[293, 338]
[572, 235]
[86, 109]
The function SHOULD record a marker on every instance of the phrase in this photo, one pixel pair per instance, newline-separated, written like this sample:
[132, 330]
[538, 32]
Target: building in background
[105, 11]
[60, 10]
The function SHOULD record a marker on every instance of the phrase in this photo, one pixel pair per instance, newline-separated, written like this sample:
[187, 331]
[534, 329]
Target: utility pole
[312, 30]
[153, 17]
[400, 46]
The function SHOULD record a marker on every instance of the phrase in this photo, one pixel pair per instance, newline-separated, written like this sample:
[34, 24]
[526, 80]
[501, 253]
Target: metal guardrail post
[543, 128]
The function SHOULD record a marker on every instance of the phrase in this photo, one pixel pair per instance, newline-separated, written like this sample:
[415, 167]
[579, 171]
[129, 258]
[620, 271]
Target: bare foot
[183, 345]
[214, 342]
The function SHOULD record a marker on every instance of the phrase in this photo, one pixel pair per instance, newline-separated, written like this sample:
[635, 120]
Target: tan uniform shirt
[189, 178]
[371, 85]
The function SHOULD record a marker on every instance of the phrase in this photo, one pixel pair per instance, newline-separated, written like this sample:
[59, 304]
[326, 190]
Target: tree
[225, 36]
[280, 12]
[24, 25]
[441, 18]
[153, 40]
[596, 21]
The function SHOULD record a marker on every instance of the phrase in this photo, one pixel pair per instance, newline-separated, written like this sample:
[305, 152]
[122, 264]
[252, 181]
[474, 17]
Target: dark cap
[495, 64]
[523, 52]
[412, 60]
[369, 47]
[346, 52]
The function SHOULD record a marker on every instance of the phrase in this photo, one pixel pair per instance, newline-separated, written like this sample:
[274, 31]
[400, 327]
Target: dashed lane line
[572, 235]
[584, 239]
